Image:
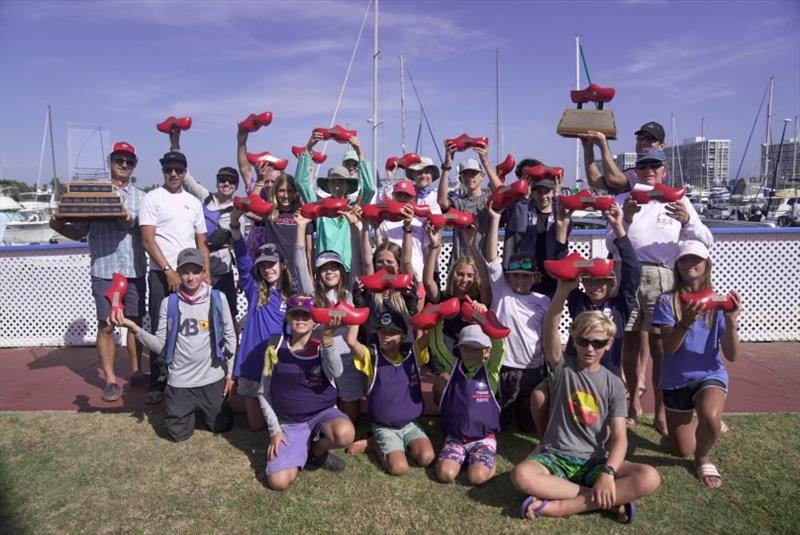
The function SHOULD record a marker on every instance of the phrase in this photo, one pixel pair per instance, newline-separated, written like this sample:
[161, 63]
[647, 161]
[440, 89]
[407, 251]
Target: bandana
[201, 294]
[423, 192]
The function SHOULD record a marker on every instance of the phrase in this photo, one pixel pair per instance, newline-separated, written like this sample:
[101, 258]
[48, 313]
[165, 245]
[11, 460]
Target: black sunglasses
[123, 162]
[653, 166]
[228, 179]
[170, 169]
[647, 139]
[585, 342]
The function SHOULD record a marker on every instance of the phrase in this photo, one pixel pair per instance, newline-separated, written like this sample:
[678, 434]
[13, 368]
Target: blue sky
[126, 65]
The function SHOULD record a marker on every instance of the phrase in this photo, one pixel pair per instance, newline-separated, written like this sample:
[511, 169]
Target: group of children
[305, 381]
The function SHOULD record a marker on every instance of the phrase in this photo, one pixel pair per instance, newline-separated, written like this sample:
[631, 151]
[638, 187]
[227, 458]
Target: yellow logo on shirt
[203, 325]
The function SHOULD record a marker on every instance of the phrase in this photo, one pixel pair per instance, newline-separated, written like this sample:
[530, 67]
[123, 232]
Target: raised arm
[302, 174]
[431, 260]
[492, 233]
[353, 216]
[631, 268]
[366, 176]
[447, 165]
[471, 241]
[407, 246]
[612, 178]
[483, 155]
[552, 320]
[245, 169]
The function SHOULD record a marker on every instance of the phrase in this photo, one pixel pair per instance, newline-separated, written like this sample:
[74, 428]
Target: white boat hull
[22, 232]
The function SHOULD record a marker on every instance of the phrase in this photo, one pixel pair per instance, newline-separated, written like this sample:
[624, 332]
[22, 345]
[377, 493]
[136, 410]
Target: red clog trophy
[659, 193]
[116, 293]
[338, 133]
[709, 300]
[508, 195]
[349, 314]
[172, 124]
[575, 265]
[580, 121]
[432, 314]
[327, 207]
[258, 158]
[505, 167]
[381, 280]
[488, 321]
[452, 218]
[584, 200]
[541, 172]
[316, 157]
[403, 162]
[255, 121]
[465, 141]
[253, 204]
[391, 210]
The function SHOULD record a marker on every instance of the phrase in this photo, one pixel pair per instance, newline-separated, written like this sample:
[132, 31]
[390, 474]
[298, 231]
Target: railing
[46, 297]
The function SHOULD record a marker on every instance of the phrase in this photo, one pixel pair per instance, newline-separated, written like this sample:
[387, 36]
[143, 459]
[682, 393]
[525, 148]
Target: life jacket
[216, 330]
[216, 236]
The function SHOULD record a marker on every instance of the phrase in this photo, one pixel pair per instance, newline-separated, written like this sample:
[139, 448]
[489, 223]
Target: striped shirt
[114, 247]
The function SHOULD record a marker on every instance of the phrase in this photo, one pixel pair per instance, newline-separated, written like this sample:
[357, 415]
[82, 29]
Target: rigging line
[755, 121]
[419, 135]
[585, 65]
[424, 115]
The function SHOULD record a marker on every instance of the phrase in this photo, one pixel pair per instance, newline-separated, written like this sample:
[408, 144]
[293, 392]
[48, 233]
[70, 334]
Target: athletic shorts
[682, 399]
[134, 298]
[389, 439]
[581, 471]
[481, 451]
[247, 387]
[655, 280]
[299, 436]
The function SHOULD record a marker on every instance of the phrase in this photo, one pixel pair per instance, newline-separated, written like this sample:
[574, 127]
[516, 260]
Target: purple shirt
[469, 410]
[299, 388]
[395, 395]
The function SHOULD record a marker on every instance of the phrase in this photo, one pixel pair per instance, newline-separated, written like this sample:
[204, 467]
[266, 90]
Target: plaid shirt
[113, 247]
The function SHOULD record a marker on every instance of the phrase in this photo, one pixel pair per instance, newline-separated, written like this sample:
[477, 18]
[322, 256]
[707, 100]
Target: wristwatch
[167, 268]
[446, 167]
[607, 469]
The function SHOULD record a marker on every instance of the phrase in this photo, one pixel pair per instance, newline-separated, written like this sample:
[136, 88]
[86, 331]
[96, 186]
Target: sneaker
[327, 461]
[153, 397]
[112, 392]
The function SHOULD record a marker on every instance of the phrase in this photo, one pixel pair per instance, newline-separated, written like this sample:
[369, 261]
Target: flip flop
[630, 510]
[706, 470]
[536, 512]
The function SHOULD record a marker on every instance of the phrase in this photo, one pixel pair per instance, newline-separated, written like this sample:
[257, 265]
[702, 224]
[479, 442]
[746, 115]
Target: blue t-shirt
[698, 358]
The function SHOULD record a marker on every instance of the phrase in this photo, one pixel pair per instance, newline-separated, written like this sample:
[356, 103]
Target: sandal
[537, 512]
[708, 471]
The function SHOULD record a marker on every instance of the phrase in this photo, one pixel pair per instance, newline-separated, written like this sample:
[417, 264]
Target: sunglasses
[226, 180]
[653, 166]
[585, 342]
[177, 170]
[646, 139]
[124, 162]
[297, 301]
[526, 264]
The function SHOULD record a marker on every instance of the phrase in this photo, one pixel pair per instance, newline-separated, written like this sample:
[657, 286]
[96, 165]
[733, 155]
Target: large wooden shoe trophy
[580, 121]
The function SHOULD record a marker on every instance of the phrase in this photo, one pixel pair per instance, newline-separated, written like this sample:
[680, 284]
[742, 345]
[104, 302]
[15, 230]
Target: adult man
[654, 230]
[115, 247]
[171, 220]
[649, 137]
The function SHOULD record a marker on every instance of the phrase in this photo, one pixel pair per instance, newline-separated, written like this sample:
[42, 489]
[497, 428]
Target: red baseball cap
[405, 186]
[123, 146]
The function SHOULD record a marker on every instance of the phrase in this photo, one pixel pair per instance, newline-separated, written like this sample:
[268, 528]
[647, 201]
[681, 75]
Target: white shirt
[393, 232]
[523, 314]
[178, 217]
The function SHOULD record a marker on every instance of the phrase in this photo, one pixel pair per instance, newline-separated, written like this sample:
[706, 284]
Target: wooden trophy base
[89, 200]
[575, 122]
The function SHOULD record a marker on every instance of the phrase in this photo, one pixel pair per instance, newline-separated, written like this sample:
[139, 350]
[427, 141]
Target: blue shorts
[389, 439]
[682, 399]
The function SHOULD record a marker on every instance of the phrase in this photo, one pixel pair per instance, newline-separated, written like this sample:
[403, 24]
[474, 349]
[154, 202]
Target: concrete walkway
[765, 379]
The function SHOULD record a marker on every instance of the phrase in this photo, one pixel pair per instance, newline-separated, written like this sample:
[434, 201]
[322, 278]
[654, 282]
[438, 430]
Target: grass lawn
[64, 472]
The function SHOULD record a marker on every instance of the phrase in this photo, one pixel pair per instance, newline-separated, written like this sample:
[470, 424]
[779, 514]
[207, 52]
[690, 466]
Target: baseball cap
[473, 336]
[191, 255]
[423, 163]
[652, 128]
[173, 156]
[123, 146]
[391, 319]
[469, 165]
[326, 257]
[521, 263]
[228, 172]
[268, 253]
[543, 183]
[651, 155]
[350, 155]
[405, 186]
[693, 247]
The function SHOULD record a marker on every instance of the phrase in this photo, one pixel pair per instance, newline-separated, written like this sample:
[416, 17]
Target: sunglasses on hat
[297, 301]
[585, 342]
[524, 263]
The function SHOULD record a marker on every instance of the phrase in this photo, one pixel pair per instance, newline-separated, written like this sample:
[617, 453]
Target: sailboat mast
[768, 134]
[577, 86]
[403, 104]
[375, 55]
[44, 145]
[52, 143]
[497, 104]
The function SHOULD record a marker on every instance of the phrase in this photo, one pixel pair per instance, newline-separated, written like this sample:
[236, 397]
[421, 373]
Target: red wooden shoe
[116, 292]
[585, 199]
[432, 314]
[253, 204]
[660, 193]
[255, 121]
[542, 172]
[593, 93]
[488, 321]
[709, 300]
[316, 157]
[381, 281]
[452, 218]
[465, 141]
[391, 210]
[327, 207]
[505, 167]
[403, 162]
[172, 123]
[575, 265]
[349, 314]
[258, 158]
[338, 133]
[504, 197]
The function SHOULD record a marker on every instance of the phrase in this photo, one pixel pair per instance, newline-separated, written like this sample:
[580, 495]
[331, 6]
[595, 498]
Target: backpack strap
[217, 327]
[173, 326]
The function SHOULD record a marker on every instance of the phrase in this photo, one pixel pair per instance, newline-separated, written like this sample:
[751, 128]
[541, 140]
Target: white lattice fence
[46, 300]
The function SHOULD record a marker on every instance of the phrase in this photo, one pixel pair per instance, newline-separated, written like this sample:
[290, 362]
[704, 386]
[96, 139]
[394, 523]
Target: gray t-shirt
[477, 207]
[581, 404]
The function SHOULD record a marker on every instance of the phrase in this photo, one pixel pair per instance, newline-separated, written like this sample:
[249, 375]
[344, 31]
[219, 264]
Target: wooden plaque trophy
[580, 121]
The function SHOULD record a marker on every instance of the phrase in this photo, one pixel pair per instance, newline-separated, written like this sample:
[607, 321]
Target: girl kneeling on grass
[197, 339]
[395, 394]
[298, 398]
[570, 471]
[693, 377]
